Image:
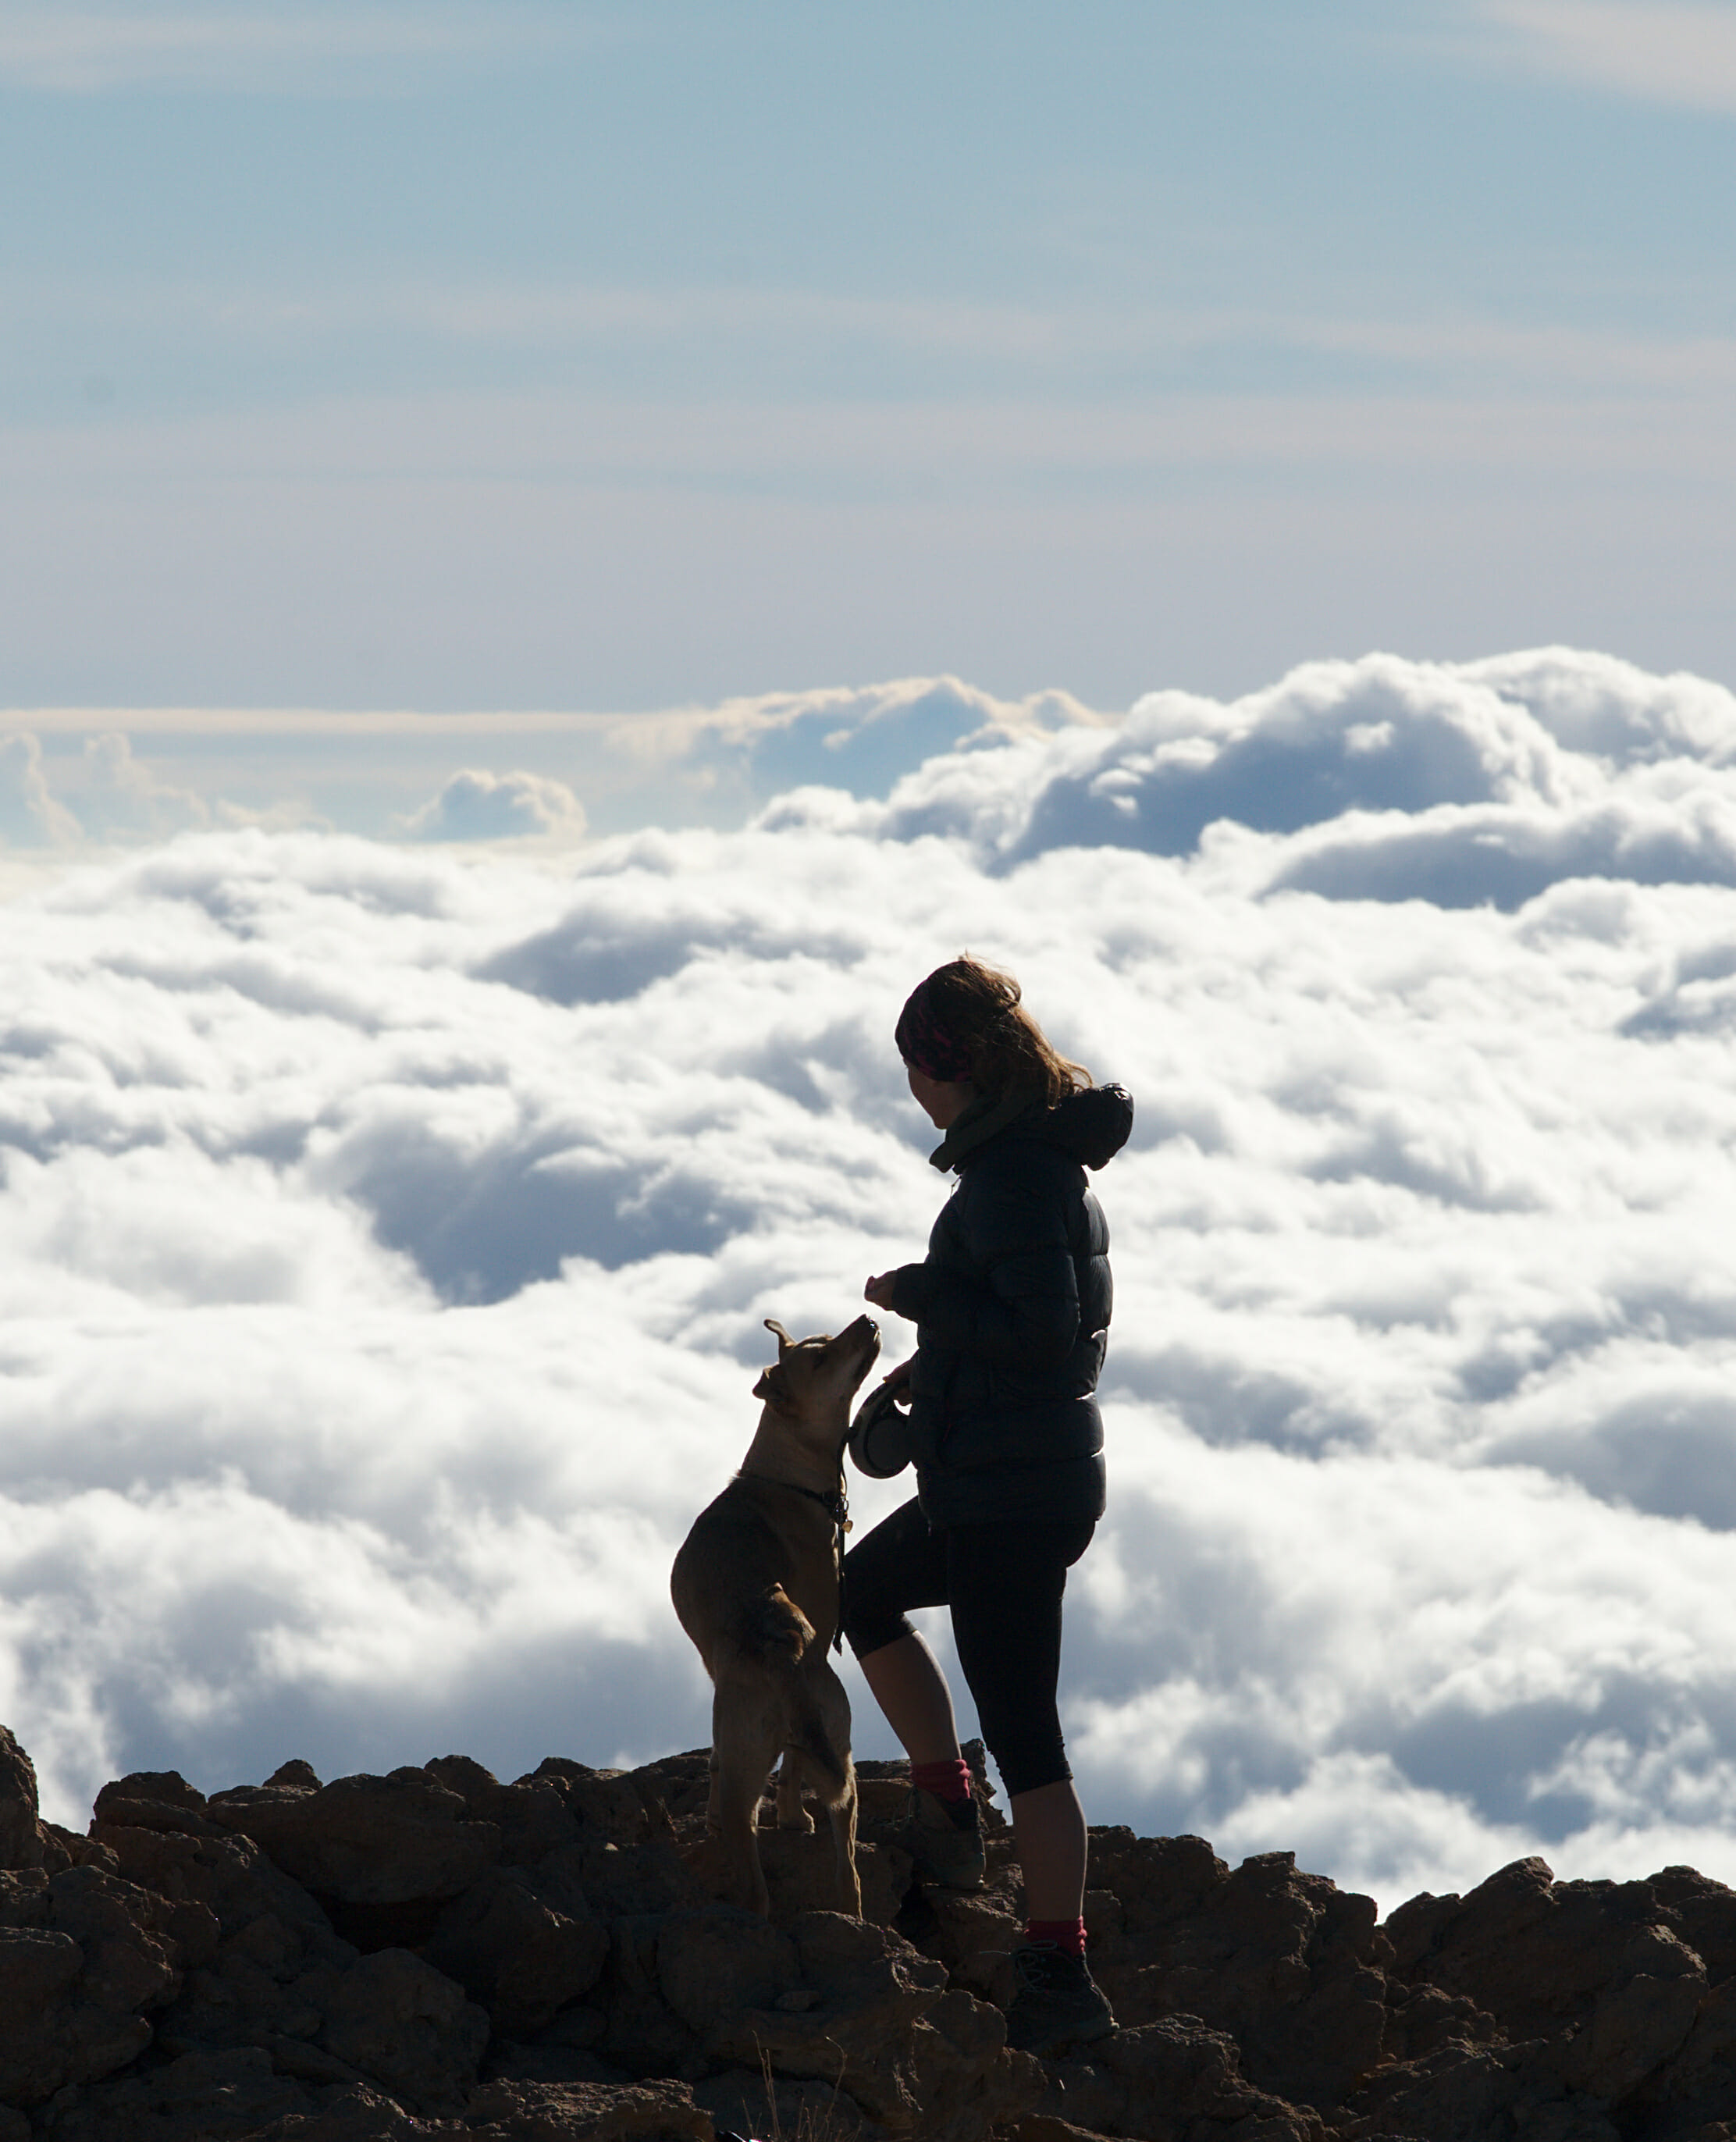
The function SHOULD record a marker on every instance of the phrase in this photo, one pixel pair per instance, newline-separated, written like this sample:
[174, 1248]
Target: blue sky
[455, 358]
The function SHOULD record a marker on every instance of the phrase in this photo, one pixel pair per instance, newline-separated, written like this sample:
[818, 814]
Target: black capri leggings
[1003, 1583]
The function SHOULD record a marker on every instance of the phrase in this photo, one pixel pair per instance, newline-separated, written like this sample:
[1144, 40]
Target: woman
[1011, 1307]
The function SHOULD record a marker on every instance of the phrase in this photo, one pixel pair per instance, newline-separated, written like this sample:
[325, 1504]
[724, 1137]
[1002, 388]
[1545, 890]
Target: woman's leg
[1008, 1636]
[1006, 1582]
[911, 1691]
[900, 1565]
[1048, 1832]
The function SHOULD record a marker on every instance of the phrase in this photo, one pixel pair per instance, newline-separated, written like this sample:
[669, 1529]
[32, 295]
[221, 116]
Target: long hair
[979, 1008]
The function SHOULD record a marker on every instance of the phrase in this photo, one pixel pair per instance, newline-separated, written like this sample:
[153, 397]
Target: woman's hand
[895, 1379]
[879, 1290]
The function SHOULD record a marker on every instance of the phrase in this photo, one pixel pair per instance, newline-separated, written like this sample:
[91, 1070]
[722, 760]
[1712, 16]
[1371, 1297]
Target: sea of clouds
[388, 1229]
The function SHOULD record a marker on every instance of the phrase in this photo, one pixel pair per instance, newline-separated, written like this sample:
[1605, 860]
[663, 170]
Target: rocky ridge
[436, 1954]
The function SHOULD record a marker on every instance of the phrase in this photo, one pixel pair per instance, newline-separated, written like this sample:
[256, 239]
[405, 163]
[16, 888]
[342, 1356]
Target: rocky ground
[436, 1954]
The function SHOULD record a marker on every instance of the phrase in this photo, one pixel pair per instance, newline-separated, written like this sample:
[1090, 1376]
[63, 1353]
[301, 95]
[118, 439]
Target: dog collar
[835, 1505]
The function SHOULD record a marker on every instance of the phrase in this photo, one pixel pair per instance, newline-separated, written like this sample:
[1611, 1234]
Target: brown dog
[756, 1585]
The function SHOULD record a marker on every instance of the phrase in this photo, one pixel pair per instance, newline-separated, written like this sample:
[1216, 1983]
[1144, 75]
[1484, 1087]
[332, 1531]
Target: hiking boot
[945, 1838]
[1058, 2003]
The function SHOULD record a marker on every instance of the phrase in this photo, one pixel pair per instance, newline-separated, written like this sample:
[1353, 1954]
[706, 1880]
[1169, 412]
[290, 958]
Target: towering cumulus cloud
[388, 1230]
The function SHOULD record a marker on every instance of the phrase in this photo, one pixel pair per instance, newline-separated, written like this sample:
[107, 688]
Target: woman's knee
[869, 1632]
[1029, 1770]
[1030, 1751]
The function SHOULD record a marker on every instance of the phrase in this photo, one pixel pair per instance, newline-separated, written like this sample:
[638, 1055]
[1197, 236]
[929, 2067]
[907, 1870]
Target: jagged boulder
[406, 1838]
[881, 2026]
[21, 1832]
[1166, 2082]
[1592, 1973]
[84, 1958]
[254, 1942]
[397, 2020]
[522, 1948]
[1285, 1964]
[224, 2096]
[533, 1817]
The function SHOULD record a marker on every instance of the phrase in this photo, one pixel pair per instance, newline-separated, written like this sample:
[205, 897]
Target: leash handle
[880, 1435]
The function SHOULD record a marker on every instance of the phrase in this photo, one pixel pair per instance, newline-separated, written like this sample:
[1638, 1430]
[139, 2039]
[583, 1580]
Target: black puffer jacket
[1012, 1308]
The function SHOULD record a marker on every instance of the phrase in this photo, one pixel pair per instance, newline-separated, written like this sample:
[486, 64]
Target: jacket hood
[1091, 1127]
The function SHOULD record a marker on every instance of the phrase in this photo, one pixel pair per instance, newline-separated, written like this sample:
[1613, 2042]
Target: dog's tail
[776, 1633]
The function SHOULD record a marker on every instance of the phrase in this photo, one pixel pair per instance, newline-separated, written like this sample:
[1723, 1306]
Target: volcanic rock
[436, 1953]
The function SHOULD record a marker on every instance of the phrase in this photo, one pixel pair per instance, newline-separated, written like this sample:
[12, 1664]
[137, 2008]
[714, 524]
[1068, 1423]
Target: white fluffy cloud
[1380, 779]
[29, 814]
[105, 794]
[387, 1232]
[476, 805]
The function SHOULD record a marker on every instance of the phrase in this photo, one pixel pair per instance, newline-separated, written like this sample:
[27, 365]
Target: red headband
[924, 1043]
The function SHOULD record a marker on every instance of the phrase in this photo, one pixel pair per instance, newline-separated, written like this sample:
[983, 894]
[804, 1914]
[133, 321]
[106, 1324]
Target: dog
[755, 1585]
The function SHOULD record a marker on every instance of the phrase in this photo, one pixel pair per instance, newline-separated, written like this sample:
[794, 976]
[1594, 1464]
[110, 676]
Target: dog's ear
[783, 1336]
[774, 1387]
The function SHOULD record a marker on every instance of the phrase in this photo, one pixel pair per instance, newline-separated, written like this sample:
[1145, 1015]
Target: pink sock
[946, 1781]
[1069, 1935]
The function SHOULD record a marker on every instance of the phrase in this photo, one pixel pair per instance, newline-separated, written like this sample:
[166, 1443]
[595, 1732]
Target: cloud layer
[387, 1232]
